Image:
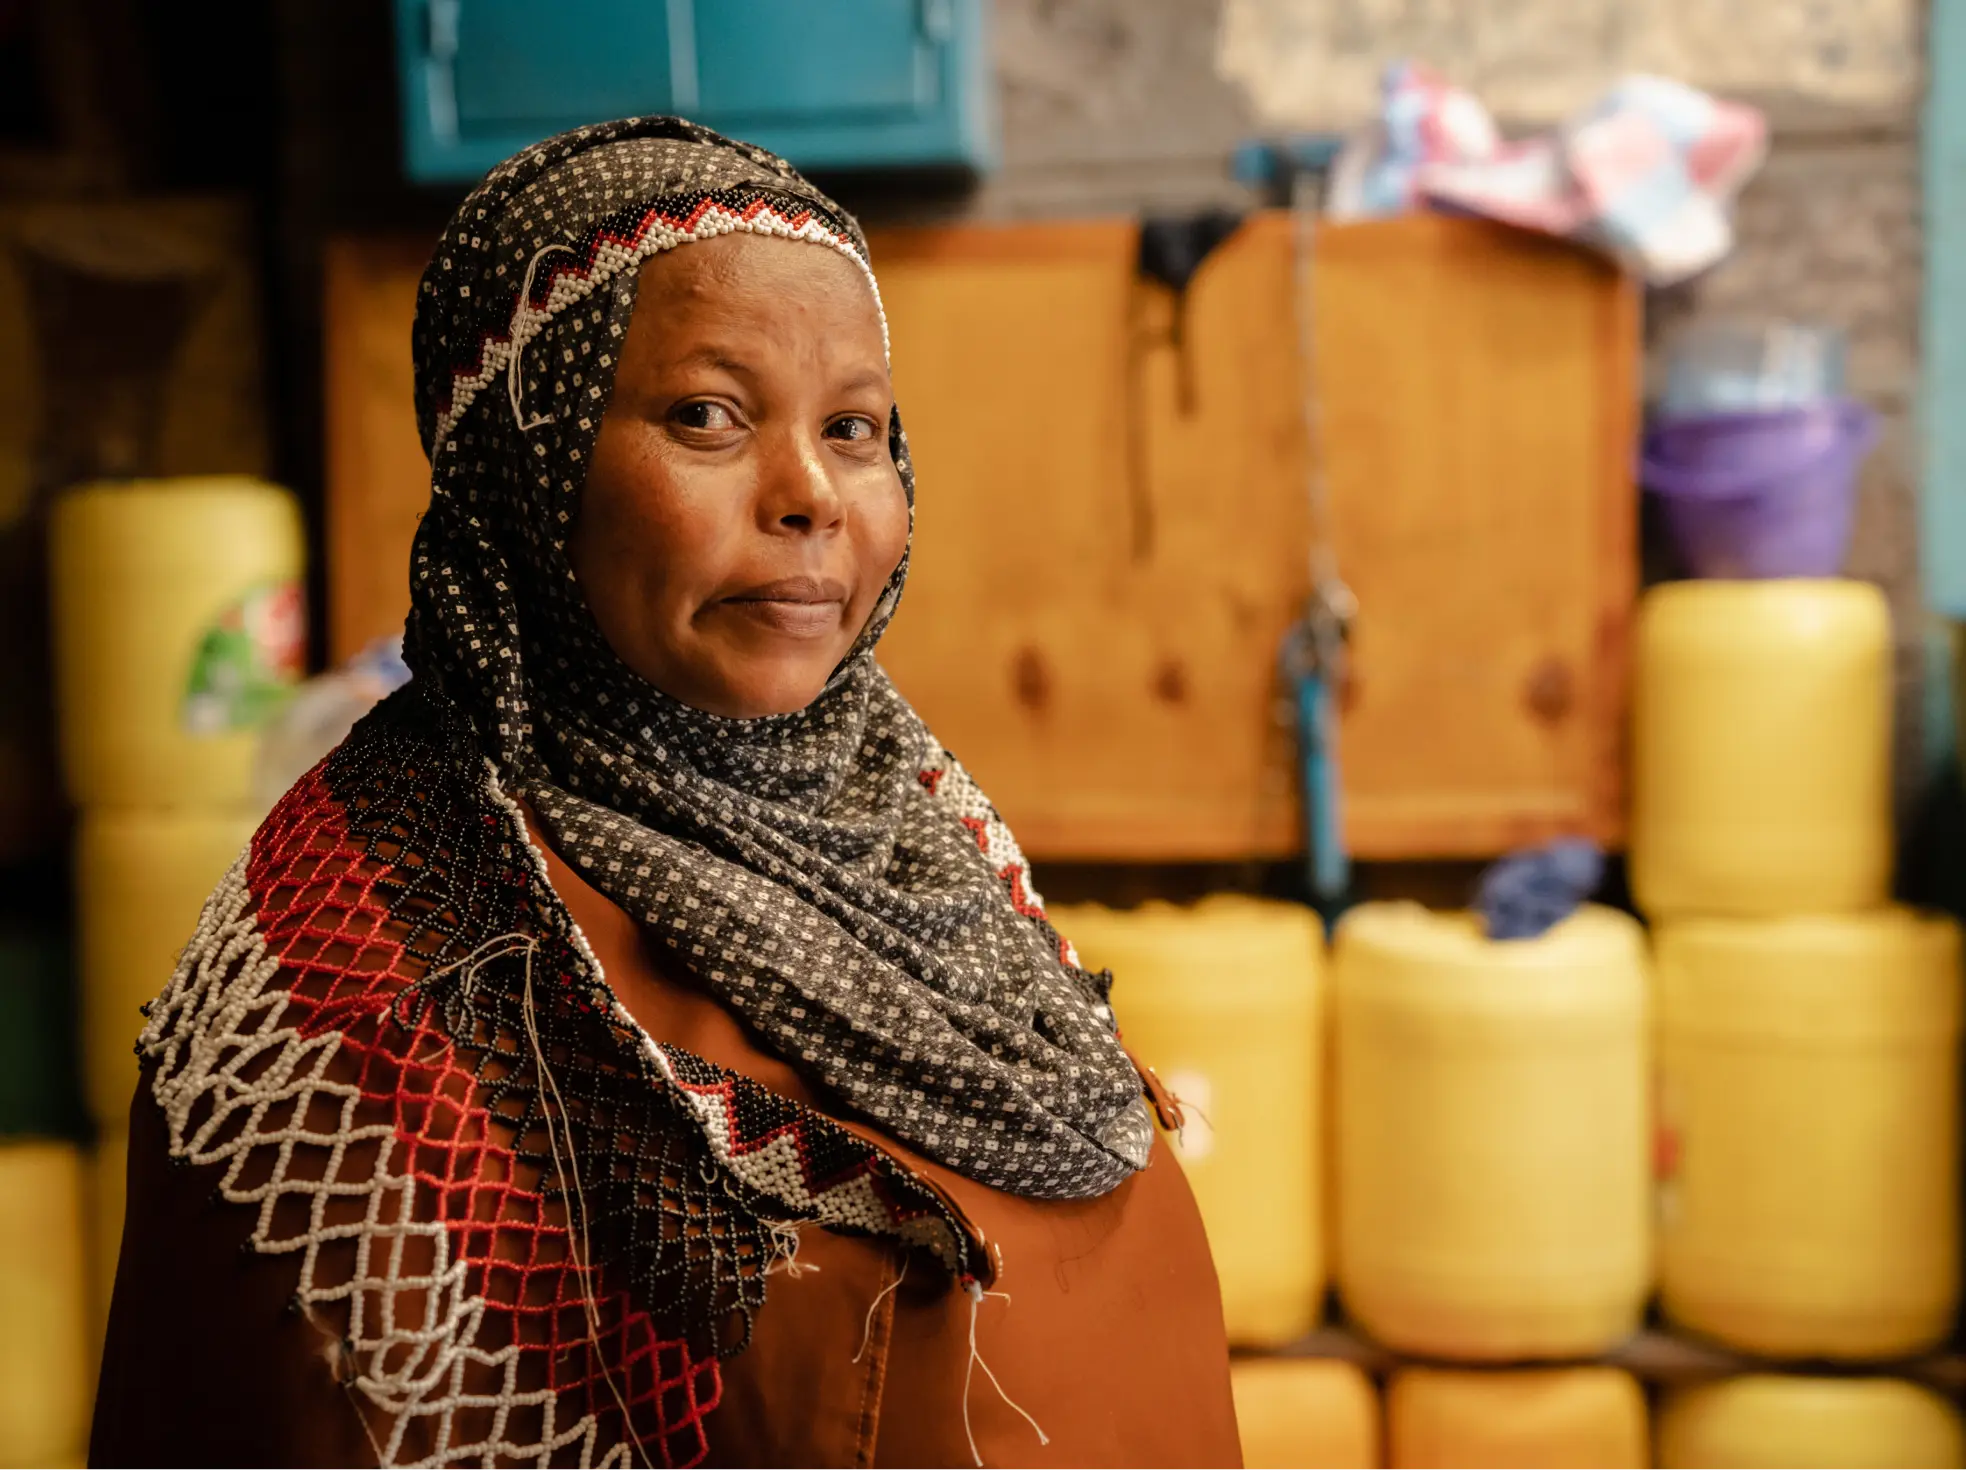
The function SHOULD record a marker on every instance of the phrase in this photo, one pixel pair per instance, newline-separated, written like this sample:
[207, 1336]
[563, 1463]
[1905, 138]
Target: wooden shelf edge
[1655, 1355]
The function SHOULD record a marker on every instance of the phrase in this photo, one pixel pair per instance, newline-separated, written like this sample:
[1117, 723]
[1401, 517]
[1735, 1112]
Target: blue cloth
[1524, 894]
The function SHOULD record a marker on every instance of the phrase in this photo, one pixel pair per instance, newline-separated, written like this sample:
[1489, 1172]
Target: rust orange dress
[1102, 1327]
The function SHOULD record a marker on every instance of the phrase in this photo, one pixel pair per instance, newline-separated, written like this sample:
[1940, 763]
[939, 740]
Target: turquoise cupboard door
[830, 84]
[1942, 409]
[514, 66]
[776, 62]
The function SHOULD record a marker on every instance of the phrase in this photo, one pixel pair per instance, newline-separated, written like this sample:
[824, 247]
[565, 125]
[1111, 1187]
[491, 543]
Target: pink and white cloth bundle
[1646, 173]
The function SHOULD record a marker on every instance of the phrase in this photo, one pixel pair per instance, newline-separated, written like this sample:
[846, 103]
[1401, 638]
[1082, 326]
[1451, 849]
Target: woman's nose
[800, 494]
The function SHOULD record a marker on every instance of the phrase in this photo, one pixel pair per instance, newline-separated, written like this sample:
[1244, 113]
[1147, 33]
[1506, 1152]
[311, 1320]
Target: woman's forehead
[745, 304]
[758, 283]
[745, 265]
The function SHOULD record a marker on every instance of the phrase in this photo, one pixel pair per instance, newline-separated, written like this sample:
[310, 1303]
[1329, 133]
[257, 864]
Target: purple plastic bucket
[1768, 494]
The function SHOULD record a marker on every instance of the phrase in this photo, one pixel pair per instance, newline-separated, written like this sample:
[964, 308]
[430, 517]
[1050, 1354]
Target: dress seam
[880, 1338]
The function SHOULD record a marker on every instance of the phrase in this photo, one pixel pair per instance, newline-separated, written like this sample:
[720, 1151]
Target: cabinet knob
[1030, 678]
[1171, 682]
[1550, 691]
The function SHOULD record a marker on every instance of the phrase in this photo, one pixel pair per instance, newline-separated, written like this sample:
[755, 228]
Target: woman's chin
[762, 686]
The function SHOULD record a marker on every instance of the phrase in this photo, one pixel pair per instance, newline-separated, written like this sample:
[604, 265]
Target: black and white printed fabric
[832, 875]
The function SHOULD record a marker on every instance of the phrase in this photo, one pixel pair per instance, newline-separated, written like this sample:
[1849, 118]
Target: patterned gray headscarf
[832, 875]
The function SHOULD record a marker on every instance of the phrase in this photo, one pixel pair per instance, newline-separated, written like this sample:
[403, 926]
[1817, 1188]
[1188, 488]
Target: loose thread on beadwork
[867, 1330]
[785, 1237]
[334, 1353]
[1181, 1134]
[977, 1294]
[583, 1266]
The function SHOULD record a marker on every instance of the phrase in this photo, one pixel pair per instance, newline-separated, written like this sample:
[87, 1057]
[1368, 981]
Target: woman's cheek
[891, 532]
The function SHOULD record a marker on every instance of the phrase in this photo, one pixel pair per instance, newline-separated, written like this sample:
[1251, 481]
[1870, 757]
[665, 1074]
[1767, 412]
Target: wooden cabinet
[1112, 530]
[1106, 563]
[378, 478]
[1102, 575]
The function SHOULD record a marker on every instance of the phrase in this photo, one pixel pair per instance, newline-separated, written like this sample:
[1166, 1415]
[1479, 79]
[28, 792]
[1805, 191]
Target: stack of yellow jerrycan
[1785, 1422]
[1491, 1179]
[1808, 1030]
[1223, 1001]
[45, 1359]
[1522, 1418]
[47, 1353]
[1491, 1141]
[179, 629]
[1304, 1412]
[1761, 778]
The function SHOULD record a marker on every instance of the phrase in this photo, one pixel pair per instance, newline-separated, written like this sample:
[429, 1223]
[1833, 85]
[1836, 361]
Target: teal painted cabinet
[1943, 372]
[830, 84]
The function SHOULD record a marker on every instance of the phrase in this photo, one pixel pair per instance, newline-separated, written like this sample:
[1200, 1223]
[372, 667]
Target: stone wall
[1313, 62]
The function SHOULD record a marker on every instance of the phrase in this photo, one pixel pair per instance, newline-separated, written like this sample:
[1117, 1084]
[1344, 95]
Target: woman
[640, 1042]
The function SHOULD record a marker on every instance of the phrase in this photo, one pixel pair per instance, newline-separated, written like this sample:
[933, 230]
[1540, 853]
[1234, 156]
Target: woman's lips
[793, 606]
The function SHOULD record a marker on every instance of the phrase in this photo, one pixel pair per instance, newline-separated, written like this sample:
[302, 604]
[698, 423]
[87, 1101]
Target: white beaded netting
[534, 1231]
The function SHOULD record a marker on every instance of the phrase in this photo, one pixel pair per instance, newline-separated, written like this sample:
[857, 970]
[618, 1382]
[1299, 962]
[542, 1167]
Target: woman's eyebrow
[869, 378]
[725, 360]
[716, 358]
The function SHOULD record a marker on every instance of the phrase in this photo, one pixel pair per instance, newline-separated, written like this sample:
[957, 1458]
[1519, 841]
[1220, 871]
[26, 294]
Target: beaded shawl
[535, 1231]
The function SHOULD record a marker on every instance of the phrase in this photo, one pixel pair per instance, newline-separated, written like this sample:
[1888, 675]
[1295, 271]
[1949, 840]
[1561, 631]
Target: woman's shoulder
[353, 1053]
[389, 864]
[395, 853]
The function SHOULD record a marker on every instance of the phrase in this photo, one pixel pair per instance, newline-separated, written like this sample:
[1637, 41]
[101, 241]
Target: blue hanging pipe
[1316, 650]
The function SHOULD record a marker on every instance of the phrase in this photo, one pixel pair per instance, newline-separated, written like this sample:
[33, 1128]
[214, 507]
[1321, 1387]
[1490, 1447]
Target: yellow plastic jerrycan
[1778, 1422]
[1761, 764]
[1305, 1413]
[45, 1366]
[1492, 1126]
[179, 627]
[1808, 1113]
[1223, 1001]
[141, 879]
[1548, 1418]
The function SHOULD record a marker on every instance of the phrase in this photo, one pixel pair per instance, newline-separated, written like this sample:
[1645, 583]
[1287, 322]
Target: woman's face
[741, 513]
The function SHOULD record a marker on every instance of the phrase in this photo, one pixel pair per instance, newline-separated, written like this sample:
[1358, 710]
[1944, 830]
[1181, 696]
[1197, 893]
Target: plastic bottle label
[247, 661]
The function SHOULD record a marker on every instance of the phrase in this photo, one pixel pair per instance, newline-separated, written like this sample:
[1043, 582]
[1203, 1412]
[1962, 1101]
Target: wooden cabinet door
[378, 478]
[1112, 533]
[1479, 404]
[1102, 574]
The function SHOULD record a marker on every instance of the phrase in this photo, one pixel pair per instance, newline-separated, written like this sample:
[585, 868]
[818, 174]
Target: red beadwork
[315, 896]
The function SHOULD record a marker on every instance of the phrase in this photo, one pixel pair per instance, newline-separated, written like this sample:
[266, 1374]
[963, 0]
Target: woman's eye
[852, 427]
[703, 414]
